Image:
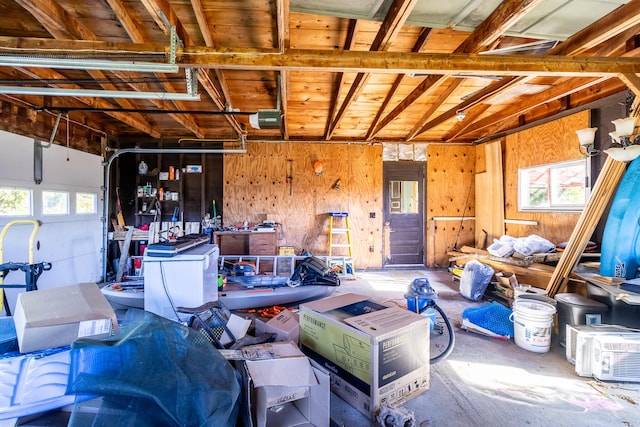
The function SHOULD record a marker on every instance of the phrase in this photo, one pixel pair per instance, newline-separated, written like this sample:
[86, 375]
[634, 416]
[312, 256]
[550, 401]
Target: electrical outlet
[371, 249]
[372, 214]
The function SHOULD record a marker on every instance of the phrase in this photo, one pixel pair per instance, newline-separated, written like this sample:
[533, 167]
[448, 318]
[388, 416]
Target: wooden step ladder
[340, 231]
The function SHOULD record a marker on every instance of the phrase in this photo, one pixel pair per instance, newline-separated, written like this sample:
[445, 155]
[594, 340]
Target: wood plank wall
[548, 143]
[256, 188]
[450, 199]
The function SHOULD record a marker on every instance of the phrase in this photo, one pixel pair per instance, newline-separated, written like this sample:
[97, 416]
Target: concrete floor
[489, 382]
[484, 382]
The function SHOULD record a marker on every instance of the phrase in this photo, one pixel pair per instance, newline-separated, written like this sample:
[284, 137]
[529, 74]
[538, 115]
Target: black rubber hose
[452, 341]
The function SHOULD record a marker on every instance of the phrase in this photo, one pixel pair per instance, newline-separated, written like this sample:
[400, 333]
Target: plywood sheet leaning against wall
[450, 200]
[489, 196]
[552, 142]
[257, 187]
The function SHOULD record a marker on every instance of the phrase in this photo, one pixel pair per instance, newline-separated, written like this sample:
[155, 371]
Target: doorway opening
[403, 213]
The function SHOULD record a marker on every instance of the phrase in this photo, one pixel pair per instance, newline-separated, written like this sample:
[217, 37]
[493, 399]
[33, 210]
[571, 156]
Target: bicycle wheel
[442, 337]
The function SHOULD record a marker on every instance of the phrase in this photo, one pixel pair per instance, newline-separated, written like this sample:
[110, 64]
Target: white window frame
[524, 188]
[30, 200]
[94, 203]
[66, 207]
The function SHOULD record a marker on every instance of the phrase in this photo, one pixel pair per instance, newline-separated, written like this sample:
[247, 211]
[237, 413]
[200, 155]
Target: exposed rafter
[417, 47]
[164, 15]
[391, 26]
[507, 14]
[315, 67]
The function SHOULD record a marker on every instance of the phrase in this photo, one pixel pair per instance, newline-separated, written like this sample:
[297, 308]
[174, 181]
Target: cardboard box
[283, 388]
[376, 354]
[56, 317]
[285, 325]
[507, 279]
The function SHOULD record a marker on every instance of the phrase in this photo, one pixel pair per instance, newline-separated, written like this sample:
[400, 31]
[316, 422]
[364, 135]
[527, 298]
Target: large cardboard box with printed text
[376, 354]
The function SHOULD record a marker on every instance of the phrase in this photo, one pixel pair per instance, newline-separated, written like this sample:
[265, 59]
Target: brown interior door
[403, 210]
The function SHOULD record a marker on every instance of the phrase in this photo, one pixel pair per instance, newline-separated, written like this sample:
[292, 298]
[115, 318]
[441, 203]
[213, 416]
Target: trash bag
[533, 244]
[502, 247]
[474, 280]
[155, 372]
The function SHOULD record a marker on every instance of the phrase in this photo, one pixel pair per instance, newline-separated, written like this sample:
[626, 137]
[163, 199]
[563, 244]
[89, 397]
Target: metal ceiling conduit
[120, 152]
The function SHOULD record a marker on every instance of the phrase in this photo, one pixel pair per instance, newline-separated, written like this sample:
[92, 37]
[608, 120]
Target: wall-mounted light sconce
[585, 138]
[460, 115]
[336, 185]
[625, 139]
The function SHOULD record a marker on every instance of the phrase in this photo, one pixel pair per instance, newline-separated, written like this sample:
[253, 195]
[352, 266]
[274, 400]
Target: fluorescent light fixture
[516, 91]
[55, 91]
[87, 64]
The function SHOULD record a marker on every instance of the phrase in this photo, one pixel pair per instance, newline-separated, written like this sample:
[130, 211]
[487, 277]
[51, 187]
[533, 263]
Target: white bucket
[532, 324]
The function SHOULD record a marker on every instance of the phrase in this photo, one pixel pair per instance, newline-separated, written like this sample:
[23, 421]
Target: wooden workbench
[246, 242]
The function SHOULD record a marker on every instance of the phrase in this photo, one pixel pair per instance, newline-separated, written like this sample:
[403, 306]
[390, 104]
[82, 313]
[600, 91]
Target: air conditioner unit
[578, 343]
[616, 358]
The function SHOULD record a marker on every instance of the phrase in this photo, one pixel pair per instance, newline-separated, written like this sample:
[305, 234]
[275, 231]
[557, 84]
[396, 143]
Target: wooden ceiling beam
[632, 81]
[441, 99]
[203, 24]
[493, 89]
[494, 26]
[616, 22]
[345, 61]
[349, 42]
[417, 47]
[412, 63]
[157, 7]
[133, 30]
[129, 24]
[616, 43]
[57, 21]
[470, 117]
[61, 25]
[42, 10]
[561, 90]
[94, 102]
[389, 29]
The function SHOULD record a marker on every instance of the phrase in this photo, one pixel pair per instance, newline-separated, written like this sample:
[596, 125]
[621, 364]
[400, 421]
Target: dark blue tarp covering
[155, 372]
